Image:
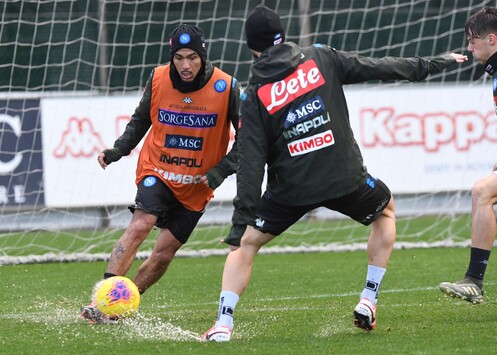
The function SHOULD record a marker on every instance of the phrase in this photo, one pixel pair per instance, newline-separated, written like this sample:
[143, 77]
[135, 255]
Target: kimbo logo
[311, 144]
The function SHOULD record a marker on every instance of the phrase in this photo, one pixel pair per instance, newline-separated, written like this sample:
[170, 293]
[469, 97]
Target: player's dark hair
[482, 23]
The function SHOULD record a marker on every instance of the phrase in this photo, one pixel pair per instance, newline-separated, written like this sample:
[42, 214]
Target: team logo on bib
[220, 85]
[149, 181]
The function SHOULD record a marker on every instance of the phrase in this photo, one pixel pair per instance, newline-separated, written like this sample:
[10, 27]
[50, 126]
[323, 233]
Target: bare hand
[101, 160]
[204, 180]
[460, 58]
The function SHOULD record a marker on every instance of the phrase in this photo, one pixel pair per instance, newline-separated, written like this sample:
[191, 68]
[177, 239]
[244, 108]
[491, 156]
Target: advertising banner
[75, 131]
[425, 139]
[415, 138]
[21, 164]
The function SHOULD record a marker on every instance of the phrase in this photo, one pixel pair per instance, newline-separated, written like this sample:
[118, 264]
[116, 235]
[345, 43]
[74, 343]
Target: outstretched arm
[353, 68]
[460, 58]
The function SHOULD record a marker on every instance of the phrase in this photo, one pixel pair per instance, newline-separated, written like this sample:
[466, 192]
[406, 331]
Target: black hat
[263, 29]
[188, 36]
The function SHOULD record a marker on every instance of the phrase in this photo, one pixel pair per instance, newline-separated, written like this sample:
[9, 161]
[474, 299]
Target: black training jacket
[294, 117]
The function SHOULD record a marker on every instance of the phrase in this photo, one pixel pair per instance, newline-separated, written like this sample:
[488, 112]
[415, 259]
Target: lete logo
[307, 77]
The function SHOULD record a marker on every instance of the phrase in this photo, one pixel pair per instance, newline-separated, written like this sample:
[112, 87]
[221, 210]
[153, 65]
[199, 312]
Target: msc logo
[184, 142]
[304, 111]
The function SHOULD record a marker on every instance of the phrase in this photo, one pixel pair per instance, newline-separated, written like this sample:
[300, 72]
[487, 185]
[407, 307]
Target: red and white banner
[415, 138]
[74, 132]
[425, 139]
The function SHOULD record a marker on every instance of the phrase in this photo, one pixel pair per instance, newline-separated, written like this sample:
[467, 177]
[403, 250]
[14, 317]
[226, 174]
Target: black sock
[478, 263]
[108, 274]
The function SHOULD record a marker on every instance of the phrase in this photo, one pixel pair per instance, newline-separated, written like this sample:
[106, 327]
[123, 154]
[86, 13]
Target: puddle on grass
[61, 318]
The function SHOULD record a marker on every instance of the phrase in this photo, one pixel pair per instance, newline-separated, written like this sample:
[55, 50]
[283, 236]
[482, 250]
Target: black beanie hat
[263, 29]
[188, 36]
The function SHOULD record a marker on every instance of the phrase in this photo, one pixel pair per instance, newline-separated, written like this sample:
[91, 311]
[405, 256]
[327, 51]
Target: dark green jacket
[491, 69]
[305, 138]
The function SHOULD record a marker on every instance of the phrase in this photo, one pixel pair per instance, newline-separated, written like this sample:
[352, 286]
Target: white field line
[331, 247]
[305, 297]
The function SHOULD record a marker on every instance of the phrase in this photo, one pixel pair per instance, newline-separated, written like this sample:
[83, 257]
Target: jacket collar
[491, 64]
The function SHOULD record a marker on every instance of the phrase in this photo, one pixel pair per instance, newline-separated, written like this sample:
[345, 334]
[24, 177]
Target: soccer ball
[117, 296]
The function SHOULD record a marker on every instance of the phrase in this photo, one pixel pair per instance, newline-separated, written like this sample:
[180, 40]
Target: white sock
[373, 282]
[227, 304]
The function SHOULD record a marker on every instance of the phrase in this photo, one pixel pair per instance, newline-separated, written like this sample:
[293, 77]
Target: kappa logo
[79, 139]
[259, 222]
[187, 100]
[307, 77]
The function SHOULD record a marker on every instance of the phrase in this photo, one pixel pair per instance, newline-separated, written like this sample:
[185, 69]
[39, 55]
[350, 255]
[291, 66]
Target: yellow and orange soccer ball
[117, 296]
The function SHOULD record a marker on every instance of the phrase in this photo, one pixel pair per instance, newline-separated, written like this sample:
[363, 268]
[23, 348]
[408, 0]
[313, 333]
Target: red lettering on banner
[307, 77]
[432, 130]
[311, 144]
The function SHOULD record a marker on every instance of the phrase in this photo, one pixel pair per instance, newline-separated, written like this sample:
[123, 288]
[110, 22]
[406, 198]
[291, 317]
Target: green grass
[295, 304]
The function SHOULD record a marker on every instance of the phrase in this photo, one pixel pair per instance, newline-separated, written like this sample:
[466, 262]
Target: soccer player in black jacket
[481, 32]
[294, 118]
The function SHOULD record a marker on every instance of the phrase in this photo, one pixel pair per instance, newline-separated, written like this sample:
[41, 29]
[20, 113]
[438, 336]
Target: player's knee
[389, 211]
[253, 238]
[162, 258]
[483, 190]
[140, 228]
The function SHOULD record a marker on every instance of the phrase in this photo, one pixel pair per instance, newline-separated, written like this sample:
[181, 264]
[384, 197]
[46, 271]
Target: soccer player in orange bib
[187, 108]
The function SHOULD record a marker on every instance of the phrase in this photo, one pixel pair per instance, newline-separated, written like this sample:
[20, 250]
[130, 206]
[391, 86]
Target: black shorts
[154, 197]
[363, 205]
